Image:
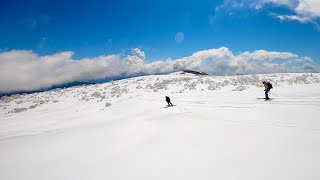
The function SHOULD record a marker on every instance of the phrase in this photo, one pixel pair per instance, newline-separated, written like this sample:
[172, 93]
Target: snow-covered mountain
[123, 129]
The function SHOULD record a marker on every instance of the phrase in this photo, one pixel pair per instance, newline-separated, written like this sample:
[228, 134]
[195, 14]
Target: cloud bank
[22, 70]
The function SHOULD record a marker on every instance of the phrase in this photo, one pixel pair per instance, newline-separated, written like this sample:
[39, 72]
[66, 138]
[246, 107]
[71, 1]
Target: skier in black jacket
[168, 101]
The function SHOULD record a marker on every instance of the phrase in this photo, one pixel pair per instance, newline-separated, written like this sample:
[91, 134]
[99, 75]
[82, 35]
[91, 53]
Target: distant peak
[194, 72]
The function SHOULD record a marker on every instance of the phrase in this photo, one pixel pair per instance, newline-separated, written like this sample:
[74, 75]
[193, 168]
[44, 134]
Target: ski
[265, 99]
[169, 106]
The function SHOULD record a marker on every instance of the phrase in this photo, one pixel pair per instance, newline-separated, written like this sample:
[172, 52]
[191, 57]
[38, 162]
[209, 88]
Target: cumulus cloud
[137, 57]
[22, 70]
[304, 11]
[222, 61]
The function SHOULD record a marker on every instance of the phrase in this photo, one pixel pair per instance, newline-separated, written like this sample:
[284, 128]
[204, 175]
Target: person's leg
[266, 93]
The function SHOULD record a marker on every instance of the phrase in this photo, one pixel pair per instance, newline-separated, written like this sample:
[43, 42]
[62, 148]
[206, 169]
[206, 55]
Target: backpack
[269, 85]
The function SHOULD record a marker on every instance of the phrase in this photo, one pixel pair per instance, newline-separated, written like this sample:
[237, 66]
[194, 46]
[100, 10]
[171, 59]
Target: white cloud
[292, 17]
[22, 70]
[308, 8]
[179, 38]
[137, 57]
[264, 55]
[223, 60]
[304, 11]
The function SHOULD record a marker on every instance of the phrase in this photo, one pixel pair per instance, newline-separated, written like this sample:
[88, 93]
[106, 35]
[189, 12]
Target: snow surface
[123, 130]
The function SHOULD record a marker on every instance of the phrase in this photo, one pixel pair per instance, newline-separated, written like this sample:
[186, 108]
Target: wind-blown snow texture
[121, 130]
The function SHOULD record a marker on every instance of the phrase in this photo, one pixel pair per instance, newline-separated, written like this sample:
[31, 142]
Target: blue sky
[104, 39]
[93, 28]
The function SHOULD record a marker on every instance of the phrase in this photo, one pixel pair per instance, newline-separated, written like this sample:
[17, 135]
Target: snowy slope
[123, 130]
